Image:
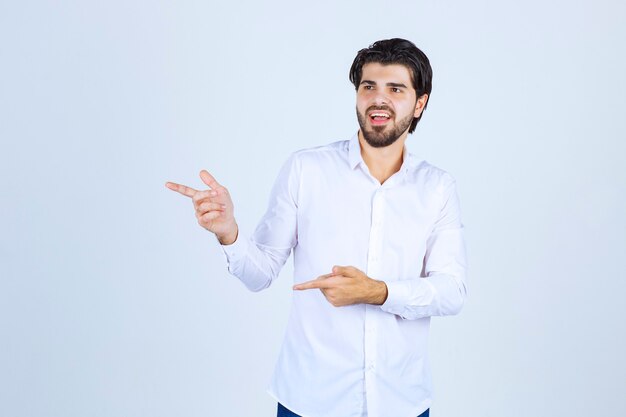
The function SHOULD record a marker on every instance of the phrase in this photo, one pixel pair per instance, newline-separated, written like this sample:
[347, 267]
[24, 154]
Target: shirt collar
[354, 155]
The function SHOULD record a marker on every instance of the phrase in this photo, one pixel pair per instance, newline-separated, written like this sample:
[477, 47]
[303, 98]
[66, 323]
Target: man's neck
[382, 162]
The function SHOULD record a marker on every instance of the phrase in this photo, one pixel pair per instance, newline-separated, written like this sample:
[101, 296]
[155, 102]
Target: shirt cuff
[405, 295]
[236, 250]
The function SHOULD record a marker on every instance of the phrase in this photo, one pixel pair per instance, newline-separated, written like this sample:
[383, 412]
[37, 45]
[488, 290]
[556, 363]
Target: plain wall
[114, 302]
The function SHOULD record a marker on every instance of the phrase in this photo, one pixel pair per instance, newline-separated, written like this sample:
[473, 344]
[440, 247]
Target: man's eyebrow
[398, 85]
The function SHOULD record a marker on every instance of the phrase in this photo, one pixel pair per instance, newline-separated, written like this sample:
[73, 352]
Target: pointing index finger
[315, 283]
[182, 189]
[310, 285]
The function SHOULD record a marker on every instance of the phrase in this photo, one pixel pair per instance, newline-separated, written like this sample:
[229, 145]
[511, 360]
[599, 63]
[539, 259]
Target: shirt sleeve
[441, 290]
[257, 260]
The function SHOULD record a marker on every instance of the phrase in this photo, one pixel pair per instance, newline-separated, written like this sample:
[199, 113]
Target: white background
[114, 302]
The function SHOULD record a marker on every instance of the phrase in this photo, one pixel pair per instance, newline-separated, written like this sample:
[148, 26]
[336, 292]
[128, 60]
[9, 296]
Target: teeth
[380, 115]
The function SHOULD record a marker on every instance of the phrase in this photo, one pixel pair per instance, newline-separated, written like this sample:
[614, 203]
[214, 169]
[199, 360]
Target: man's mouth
[378, 117]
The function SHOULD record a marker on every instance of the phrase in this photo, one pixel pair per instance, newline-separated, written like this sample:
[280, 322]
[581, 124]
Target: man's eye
[368, 87]
[396, 90]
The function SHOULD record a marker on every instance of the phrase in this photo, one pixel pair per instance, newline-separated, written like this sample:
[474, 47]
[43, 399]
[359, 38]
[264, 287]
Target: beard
[381, 136]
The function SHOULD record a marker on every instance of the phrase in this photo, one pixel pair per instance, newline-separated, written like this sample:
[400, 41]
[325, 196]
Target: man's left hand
[347, 285]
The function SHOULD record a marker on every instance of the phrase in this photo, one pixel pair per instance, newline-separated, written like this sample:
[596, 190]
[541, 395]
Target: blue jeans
[285, 412]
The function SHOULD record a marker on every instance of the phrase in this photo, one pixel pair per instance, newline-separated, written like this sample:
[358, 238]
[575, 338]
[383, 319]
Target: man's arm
[442, 291]
[255, 261]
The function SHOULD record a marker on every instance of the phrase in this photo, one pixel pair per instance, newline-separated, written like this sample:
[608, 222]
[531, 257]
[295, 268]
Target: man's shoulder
[336, 147]
[430, 169]
[329, 152]
[431, 175]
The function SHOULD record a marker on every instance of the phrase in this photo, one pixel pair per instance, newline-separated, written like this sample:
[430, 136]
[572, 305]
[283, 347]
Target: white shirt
[360, 359]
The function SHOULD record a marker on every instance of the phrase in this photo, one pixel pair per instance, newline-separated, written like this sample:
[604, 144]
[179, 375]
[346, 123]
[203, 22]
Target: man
[378, 249]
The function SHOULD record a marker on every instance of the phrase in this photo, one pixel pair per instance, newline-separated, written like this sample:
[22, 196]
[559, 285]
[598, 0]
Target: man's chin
[377, 139]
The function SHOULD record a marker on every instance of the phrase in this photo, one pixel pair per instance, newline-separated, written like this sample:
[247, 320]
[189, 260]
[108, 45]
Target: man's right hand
[214, 208]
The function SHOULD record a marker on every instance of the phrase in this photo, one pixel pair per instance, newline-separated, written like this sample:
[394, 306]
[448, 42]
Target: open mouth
[379, 117]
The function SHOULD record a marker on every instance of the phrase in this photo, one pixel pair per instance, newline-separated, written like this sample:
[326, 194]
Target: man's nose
[381, 99]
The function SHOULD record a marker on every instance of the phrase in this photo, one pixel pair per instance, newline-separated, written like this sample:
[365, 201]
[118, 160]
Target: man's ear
[420, 104]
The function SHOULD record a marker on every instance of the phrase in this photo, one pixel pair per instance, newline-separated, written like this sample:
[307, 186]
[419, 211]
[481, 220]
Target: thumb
[338, 269]
[208, 179]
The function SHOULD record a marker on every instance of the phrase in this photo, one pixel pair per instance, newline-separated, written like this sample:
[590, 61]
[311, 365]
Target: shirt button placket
[375, 232]
[373, 269]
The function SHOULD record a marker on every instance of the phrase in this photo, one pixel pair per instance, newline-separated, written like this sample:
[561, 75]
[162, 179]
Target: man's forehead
[395, 72]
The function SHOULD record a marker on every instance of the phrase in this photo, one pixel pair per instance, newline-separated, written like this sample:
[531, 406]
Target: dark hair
[397, 51]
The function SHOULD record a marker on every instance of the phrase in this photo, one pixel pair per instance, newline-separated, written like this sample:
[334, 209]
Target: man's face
[386, 103]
